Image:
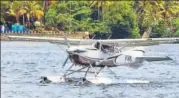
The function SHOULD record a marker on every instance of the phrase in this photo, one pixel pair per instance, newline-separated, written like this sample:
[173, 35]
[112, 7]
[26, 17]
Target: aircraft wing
[141, 41]
[60, 40]
[115, 42]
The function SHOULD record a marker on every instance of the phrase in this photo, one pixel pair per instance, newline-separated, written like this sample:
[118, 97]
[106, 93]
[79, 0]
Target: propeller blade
[65, 62]
[67, 43]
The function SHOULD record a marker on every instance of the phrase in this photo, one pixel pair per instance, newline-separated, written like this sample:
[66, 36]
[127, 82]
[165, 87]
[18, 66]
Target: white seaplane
[100, 55]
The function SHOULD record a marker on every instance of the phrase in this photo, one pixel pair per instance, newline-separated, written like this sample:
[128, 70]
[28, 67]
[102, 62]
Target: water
[23, 63]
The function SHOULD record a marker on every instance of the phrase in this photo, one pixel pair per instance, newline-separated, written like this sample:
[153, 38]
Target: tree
[46, 4]
[170, 15]
[7, 14]
[15, 6]
[151, 13]
[170, 11]
[100, 6]
[34, 9]
[122, 20]
[28, 9]
[69, 16]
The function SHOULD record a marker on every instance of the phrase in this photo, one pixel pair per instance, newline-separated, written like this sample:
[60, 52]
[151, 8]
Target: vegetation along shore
[123, 19]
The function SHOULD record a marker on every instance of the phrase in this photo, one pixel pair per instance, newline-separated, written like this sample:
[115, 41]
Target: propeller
[68, 45]
[65, 62]
[66, 41]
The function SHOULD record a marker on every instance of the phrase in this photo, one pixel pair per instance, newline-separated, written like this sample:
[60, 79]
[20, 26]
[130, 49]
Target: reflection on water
[23, 63]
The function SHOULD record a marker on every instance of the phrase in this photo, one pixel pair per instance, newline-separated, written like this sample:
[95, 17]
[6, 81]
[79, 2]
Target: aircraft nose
[68, 50]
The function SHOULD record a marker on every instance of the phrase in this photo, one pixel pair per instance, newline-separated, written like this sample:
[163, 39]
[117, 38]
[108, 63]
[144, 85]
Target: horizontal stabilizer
[154, 58]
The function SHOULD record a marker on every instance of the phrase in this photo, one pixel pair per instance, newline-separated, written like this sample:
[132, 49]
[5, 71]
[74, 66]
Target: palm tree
[46, 4]
[15, 6]
[150, 14]
[101, 6]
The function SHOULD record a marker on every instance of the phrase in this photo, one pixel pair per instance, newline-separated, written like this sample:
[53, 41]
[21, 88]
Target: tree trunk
[103, 4]
[17, 18]
[23, 19]
[44, 10]
[147, 33]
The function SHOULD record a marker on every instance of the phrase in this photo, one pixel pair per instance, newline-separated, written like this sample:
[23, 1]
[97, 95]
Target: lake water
[23, 63]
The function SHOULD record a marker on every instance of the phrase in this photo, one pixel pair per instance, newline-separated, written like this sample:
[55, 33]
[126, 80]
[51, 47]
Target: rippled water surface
[23, 63]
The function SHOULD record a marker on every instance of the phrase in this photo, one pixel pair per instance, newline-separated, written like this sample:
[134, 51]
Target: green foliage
[177, 33]
[50, 17]
[57, 15]
[152, 13]
[160, 30]
[69, 16]
[124, 22]
[97, 26]
[175, 22]
[127, 19]
[163, 30]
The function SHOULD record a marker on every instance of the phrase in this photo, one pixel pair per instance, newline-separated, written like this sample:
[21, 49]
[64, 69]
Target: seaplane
[99, 55]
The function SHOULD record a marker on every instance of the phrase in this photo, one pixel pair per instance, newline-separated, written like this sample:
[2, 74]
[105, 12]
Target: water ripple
[23, 63]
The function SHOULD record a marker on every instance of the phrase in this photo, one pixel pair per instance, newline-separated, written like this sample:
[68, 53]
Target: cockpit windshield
[97, 45]
[103, 47]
